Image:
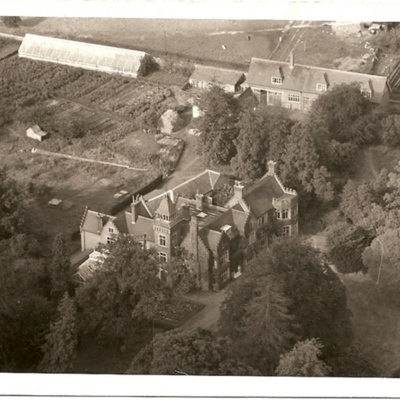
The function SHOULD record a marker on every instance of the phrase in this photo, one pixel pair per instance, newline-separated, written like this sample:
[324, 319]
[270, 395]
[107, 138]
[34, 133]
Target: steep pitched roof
[235, 218]
[167, 206]
[210, 238]
[304, 78]
[93, 221]
[259, 195]
[142, 226]
[217, 75]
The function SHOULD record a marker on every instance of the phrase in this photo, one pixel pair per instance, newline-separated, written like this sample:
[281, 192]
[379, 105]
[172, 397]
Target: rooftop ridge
[83, 216]
[320, 68]
[218, 68]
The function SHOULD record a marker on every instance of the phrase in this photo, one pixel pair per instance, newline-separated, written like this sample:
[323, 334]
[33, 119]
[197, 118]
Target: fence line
[50, 153]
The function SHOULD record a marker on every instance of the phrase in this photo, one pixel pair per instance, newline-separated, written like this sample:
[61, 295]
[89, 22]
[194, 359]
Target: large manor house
[184, 218]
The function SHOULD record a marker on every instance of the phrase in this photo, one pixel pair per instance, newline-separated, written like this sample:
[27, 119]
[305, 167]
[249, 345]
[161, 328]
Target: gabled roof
[235, 218]
[38, 130]
[143, 226]
[304, 78]
[259, 195]
[80, 54]
[217, 75]
[210, 238]
[94, 222]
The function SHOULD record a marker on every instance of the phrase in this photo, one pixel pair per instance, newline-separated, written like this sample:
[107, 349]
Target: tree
[218, 126]
[347, 243]
[11, 22]
[147, 65]
[222, 195]
[60, 269]
[318, 298]
[11, 207]
[351, 363]
[122, 293]
[268, 329]
[382, 258]
[61, 341]
[24, 306]
[303, 360]
[193, 352]
[262, 136]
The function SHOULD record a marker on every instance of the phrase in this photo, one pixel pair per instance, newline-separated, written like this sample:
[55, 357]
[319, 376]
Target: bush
[11, 22]
[147, 65]
[390, 133]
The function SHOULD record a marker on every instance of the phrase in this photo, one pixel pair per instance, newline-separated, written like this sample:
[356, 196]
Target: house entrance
[275, 99]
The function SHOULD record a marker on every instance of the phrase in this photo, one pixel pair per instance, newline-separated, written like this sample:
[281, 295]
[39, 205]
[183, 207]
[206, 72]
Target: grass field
[198, 40]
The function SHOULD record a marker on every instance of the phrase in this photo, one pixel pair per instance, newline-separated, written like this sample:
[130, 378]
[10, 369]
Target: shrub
[11, 22]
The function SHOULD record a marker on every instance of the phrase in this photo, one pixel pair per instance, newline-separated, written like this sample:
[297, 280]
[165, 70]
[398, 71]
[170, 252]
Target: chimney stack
[271, 168]
[193, 234]
[135, 208]
[199, 201]
[185, 214]
[291, 60]
[238, 190]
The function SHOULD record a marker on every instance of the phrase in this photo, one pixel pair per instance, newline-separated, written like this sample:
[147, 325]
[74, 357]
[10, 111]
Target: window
[162, 256]
[224, 276]
[294, 98]
[261, 220]
[110, 240]
[111, 230]
[321, 87]
[277, 213]
[162, 240]
[285, 213]
[276, 80]
[226, 255]
[285, 231]
[252, 237]
[262, 237]
[366, 93]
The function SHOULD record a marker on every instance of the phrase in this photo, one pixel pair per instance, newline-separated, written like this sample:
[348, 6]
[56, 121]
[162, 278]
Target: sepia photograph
[199, 196]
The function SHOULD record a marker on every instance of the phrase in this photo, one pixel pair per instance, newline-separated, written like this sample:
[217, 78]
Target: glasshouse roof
[80, 54]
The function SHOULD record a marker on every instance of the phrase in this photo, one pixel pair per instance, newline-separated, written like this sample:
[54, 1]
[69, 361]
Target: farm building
[83, 55]
[35, 132]
[185, 217]
[204, 77]
[295, 86]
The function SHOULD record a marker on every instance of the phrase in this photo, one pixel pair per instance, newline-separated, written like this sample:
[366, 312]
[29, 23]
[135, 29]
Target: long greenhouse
[83, 55]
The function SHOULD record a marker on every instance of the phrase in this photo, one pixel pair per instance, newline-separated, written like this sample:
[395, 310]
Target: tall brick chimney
[238, 190]
[199, 201]
[193, 235]
[185, 214]
[135, 208]
[271, 168]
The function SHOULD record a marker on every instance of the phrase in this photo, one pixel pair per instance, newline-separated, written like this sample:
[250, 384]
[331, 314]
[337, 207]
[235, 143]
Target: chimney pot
[271, 168]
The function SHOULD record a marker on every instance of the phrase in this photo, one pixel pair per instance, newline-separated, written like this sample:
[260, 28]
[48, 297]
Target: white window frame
[321, 87]
[162, 239]
[110, 240]
[110, 230]
[285, 213]
[366, 93]
[278, 213]
[276, 80]
[163, 257]
[261, 221]
[294, 98]
[252, 237]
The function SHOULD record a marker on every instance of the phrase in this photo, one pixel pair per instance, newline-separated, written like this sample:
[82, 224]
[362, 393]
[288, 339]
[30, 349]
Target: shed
[228, 79]
[35, 132]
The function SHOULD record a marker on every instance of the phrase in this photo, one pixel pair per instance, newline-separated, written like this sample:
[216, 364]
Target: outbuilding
[35, 132]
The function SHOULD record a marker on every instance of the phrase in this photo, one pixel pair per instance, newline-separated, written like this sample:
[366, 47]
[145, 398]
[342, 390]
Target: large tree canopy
[303, 360]
[193, 352]
[218, 126]
[124, 288]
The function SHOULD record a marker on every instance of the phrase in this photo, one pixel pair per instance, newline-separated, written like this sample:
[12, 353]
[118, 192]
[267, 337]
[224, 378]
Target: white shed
[35, 132]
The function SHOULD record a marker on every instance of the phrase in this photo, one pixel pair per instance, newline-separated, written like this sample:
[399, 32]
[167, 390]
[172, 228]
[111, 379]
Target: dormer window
[366, 93]
[321, 87]
[110, 230]
[276, 80]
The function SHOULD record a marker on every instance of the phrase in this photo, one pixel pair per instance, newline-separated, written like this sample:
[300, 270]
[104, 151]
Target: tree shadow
[30, 22]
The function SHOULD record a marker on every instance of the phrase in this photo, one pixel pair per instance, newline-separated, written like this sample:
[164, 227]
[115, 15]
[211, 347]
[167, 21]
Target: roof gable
[94, 222]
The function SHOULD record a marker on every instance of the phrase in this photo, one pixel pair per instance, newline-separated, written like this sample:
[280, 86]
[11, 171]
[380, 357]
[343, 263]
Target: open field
[198, 40]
